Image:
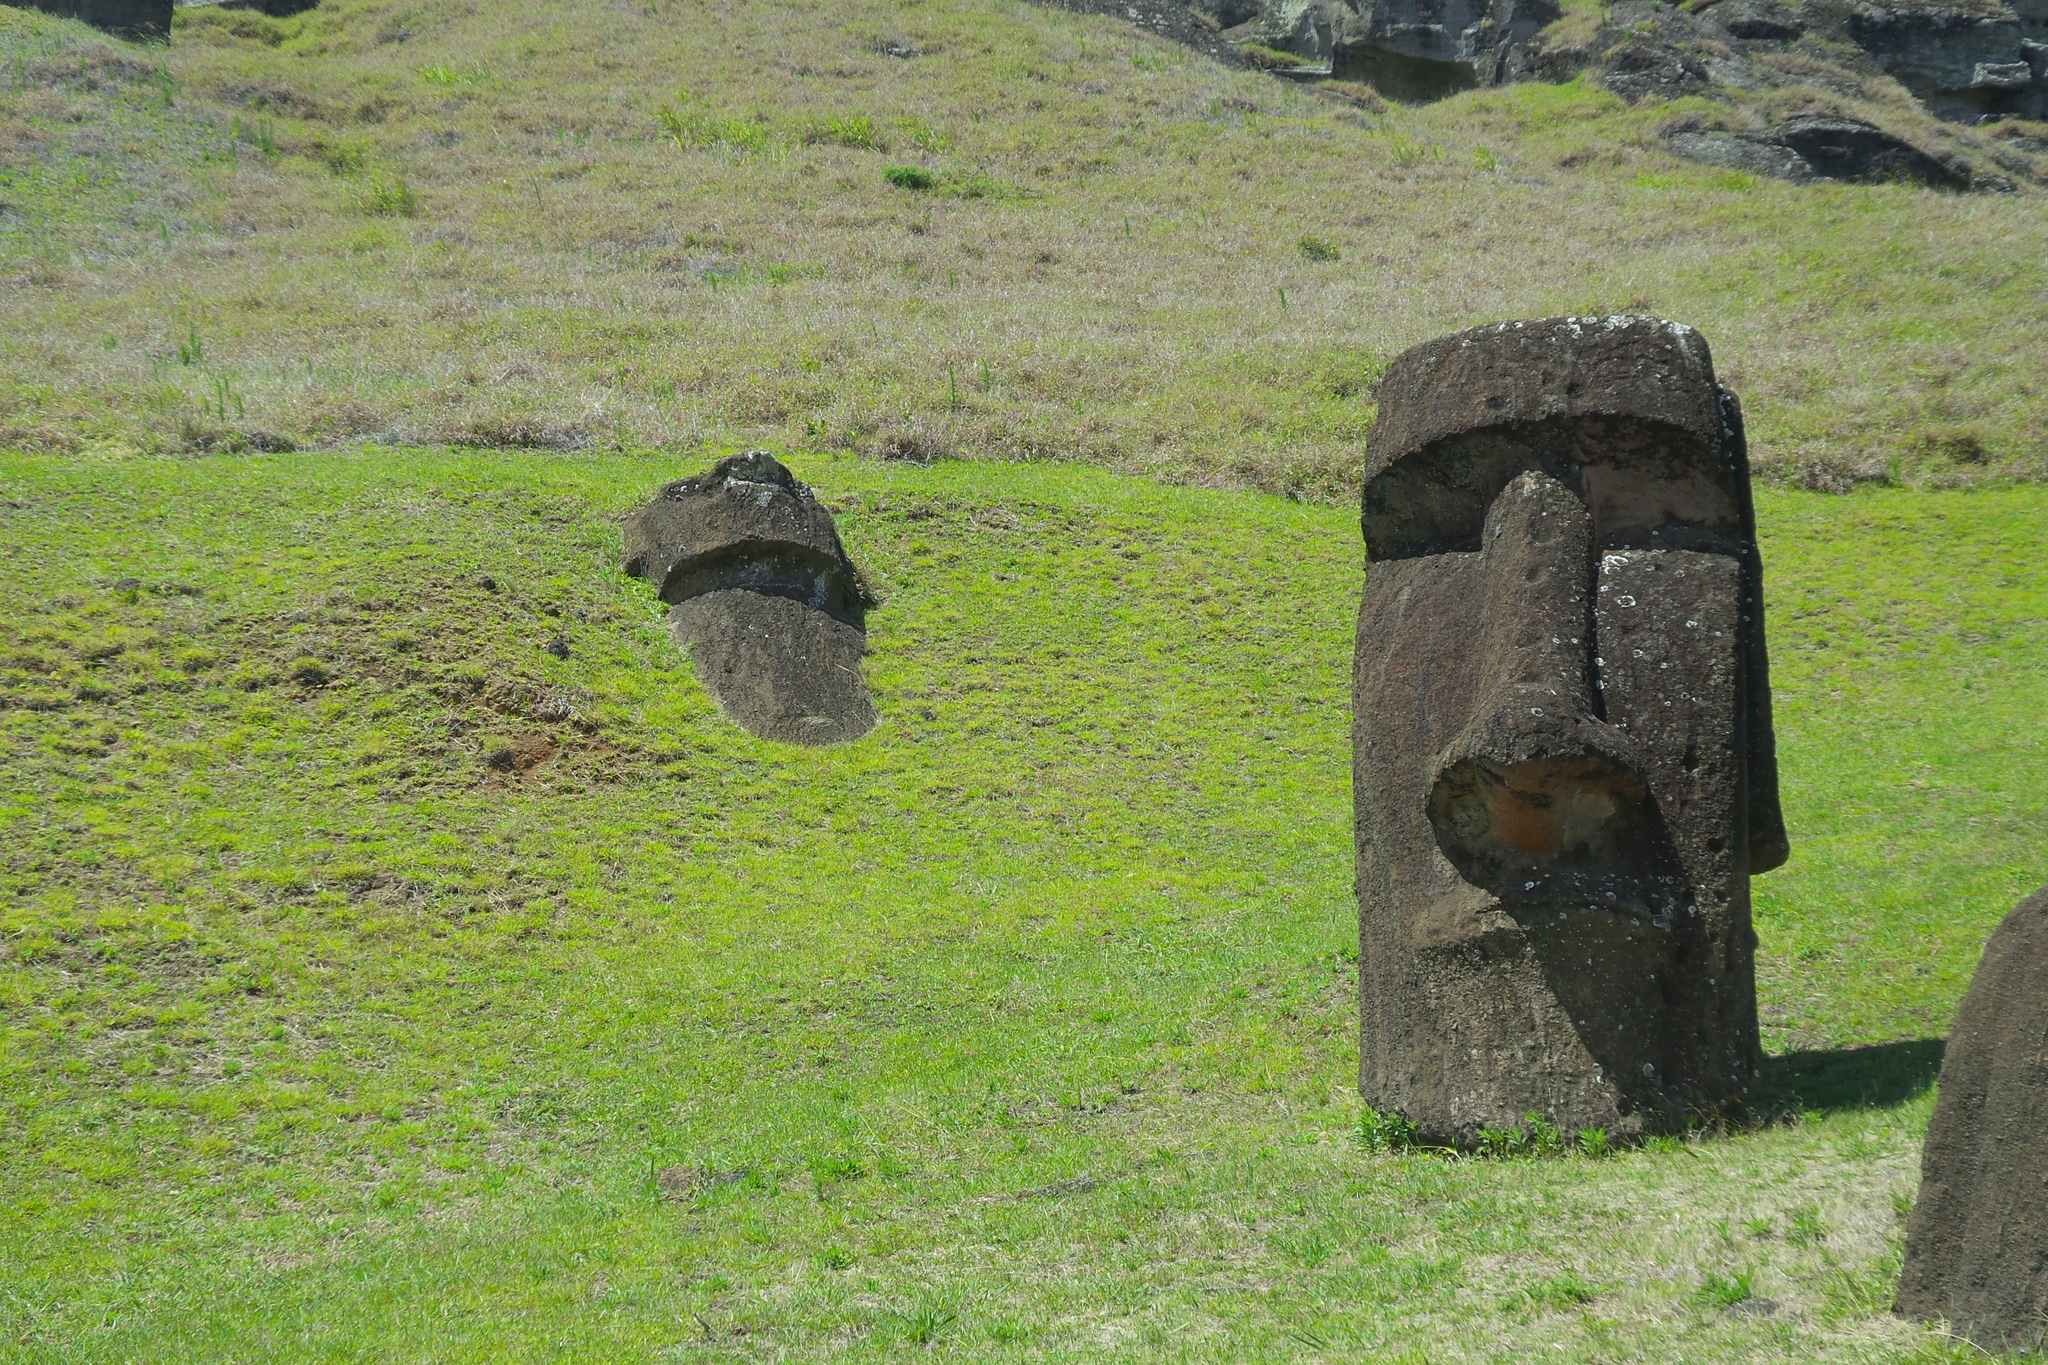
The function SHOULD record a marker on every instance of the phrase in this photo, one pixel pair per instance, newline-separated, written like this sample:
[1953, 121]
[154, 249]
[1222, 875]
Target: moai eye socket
[1564, 766]
[764, 597]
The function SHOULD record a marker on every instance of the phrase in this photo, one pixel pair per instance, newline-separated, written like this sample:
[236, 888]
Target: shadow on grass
[1873, 1077]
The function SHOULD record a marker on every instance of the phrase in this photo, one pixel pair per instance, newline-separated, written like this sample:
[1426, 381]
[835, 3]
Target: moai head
[1978, 1237]
[1564, 768]
[764, 597]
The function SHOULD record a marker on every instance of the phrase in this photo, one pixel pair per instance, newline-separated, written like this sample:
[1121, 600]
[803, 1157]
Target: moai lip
[1977, 1241]
[1564, 763]
[763, 596]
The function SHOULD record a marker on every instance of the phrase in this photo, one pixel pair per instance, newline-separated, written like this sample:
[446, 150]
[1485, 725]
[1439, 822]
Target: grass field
[1022, 1029]
[379, 982]
[1033, 236]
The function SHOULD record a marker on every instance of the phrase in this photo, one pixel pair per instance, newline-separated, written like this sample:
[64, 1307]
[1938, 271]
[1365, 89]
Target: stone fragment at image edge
[1977, 1240]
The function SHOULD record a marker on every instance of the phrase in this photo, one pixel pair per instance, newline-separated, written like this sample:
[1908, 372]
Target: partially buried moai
[764, 597]
[1564, 766]
[1977, 1243]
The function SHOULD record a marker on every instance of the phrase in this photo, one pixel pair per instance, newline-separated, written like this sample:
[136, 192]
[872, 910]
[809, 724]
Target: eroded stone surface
[1407, 49]
[1977, 1243]
[1564, 764]
[763, 596]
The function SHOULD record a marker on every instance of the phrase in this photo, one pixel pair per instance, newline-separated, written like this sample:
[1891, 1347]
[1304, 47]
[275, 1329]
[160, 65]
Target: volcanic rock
[1977, 1241]
[763, 596]
[124, 18]
[1821, 147]
[1564, 767]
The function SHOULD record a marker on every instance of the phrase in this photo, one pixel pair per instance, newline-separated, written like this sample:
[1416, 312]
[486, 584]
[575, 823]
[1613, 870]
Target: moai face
[1564, 766]
[763, 596]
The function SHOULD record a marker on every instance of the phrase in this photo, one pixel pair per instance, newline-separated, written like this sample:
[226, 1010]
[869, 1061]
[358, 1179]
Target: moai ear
[764, 597]
[1769, 846]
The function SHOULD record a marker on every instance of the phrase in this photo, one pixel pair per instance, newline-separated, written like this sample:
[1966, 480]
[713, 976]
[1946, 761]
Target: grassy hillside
[379, 986]
[567, 225]
[379, 981]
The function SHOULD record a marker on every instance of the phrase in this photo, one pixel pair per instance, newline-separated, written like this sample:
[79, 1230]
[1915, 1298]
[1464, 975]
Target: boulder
[1563, 760]
[1977, 1240]
[1644, 69]
[1758, 154]
[762, 595]
[134, 19]
[1849, 149]
[1821, 147]
[1407, 49]
[1758, 20]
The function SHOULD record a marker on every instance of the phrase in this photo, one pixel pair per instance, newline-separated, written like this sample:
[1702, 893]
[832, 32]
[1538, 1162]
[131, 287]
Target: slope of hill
[564, 225]
[380, 985]
[400, 960]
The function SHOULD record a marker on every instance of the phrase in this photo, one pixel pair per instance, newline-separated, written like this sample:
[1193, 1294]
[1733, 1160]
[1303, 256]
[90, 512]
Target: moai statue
[764, 597]
[1977, 1243]
[1564, 766]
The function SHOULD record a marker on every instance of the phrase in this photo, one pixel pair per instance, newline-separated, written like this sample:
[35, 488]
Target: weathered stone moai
[1564, 765]
[763, 596]
[1977, 1243]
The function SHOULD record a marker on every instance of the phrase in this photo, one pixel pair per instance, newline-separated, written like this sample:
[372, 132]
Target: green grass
[1022, 1029]
[572, 226]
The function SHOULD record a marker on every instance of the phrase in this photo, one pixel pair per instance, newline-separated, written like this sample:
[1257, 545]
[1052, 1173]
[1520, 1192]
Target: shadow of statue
[1829, 1080]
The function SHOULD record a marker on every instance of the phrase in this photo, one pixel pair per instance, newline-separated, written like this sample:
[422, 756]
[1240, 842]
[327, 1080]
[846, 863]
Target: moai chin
[1563, 758]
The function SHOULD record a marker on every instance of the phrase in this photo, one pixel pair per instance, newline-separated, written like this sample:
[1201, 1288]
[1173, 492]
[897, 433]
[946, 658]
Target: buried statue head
[764, 597]
[1563, 751]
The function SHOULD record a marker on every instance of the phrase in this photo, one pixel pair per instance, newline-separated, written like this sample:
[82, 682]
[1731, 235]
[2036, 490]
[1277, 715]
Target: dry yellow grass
[466, 221]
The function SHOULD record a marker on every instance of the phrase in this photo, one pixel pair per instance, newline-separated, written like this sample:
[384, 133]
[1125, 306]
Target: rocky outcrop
[276, 9]
[1966, 60]
[762, 595]
[139, 19]
[1406, 49]
[1821, 147]
[1963, 65]
[1563, 758]
[1977, 1241]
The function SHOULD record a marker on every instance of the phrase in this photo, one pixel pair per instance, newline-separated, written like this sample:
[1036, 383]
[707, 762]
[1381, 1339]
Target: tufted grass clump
[1717, 1290]
[1556, 1293]
[1534, 1136]
[1383, 1132]
[1271, 58]
[914, 178]
[693, 129]
[848, 130]
[391, 197]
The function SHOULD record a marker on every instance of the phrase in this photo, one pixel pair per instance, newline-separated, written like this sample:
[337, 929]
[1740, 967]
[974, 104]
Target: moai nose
[1538, 785]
